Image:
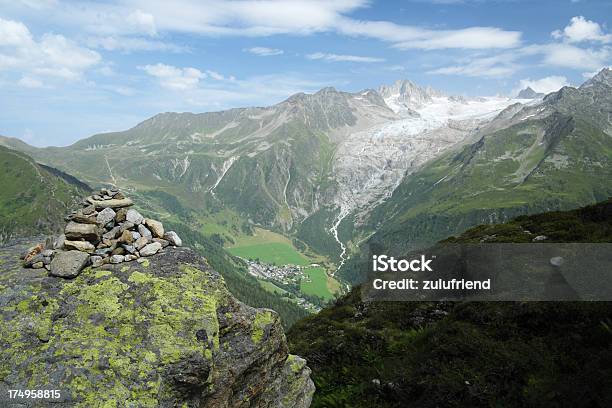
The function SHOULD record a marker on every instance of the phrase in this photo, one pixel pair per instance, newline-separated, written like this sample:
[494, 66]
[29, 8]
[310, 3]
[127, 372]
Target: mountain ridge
[322, 167]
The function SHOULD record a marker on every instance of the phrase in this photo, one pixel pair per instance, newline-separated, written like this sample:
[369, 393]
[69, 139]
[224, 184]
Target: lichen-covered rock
[162, 333]
[69, 264]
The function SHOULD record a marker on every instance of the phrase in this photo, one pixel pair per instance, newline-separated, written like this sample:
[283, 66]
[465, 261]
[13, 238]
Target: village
[287, 277]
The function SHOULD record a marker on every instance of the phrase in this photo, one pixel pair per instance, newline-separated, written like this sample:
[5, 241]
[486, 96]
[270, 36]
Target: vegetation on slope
[33, 198]
[527, 354]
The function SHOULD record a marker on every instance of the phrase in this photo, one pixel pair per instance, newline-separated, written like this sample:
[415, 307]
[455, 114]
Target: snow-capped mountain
[320, 156]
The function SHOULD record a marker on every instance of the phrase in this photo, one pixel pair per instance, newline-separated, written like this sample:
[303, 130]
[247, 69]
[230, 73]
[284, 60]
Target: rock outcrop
[162, 332]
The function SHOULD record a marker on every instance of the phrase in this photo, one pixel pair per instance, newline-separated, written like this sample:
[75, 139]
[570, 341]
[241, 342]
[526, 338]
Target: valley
[321, 178]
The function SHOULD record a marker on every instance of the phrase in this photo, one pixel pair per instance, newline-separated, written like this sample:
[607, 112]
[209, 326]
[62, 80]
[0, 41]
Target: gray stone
[130, 257]
[83, 219]
[150, 249]
[96, 261]
[29, 263]
[134, 216]
[68, 264]
[173, 238]
[115, 259]
[141, 242]
[90, 209]
[126, 226]
[103, 251]
[47, 252]
[59, 242]
[113, 233]
[163, 242]
[144, 231]
[557, 261]
[112, 203]
[135, 235]
[129, 249]
[76, 231]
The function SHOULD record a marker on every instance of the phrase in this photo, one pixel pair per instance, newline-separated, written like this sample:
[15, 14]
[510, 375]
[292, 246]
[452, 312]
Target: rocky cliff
[165, 332]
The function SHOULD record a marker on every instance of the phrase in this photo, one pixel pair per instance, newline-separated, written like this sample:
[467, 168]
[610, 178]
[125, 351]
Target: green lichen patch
[262, 319]
[296, 365]
[111, 335]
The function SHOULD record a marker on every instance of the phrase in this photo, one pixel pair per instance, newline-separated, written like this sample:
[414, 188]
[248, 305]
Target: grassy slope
[538, 354]
[33, 199]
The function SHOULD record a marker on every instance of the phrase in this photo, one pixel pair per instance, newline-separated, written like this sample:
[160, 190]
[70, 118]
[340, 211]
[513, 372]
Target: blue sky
[69, 69]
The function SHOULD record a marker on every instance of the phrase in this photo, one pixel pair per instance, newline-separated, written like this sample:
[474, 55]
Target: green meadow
[277, 253]
[318, 284]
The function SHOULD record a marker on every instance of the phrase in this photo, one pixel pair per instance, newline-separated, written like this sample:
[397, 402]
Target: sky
[70, 69]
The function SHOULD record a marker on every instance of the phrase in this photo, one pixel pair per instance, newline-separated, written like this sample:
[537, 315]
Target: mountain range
[335, 170]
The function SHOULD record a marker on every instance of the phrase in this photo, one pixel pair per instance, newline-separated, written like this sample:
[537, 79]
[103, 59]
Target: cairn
[106, 230]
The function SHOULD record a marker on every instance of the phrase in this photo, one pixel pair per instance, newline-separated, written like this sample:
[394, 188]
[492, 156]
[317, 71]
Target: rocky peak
[603, 78]
[529, 93]
[405, 95]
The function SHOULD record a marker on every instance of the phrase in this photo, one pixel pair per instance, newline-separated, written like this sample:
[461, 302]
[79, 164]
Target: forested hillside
[442, 354]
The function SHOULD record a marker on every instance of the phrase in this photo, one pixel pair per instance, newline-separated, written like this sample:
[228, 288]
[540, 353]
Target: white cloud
[53, 55]
[406, 37]
[144, 21]
[14, 33]
[342, 57]
[564, 54]
[264, 18]
[29, 82]
[215, 75]
[129, 44]
[264, 51]
[580, 29]
[174, 78]
[543, 85]
[571, 56]
[493, 67]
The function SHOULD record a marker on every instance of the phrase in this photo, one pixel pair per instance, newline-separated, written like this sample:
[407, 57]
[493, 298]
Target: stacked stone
[105, 230]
